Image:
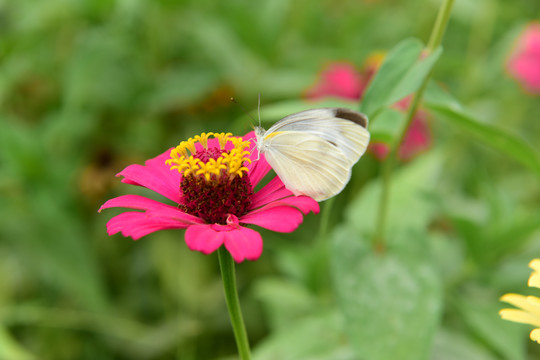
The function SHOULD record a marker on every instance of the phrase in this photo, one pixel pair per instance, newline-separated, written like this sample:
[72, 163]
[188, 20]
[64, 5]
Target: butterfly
[313, 151]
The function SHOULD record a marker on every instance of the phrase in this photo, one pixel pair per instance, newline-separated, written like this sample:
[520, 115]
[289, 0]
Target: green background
[89, 87]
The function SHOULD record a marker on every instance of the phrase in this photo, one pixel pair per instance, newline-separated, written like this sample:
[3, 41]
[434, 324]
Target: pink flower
[339, 80]
[342, 80]
[211, 184]
[379, 149]
[524, 61]
[417, 138]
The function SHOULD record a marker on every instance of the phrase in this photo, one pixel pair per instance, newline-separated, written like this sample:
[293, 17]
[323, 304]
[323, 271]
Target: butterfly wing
[307, 164]
[343, 128]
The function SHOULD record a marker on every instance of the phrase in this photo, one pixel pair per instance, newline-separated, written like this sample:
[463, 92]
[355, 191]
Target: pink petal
[228, 146]
[214, 143]
[138, 224]
[417, 138]
[133, 202]
[274, 190]
[211, 143]
[258, 167]
[253, 152]
[275, 194]
[303, 203]
[530, 38]
[379, 150]
[243, 244]
[527, 71]
[524, 63]
[404, 103]
[280, 219]
[250, 136]
[155, 175]
[258, 170]
[204, 238]
[152, 207]
[175, 214]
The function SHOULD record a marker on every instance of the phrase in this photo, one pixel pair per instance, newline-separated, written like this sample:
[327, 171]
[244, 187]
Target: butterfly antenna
[247, 112]
[259, 109]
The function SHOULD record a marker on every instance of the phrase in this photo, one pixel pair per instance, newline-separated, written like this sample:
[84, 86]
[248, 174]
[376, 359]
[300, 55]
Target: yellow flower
[529, 306]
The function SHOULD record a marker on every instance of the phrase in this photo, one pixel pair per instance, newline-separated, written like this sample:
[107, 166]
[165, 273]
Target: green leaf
[434, 94]
[388, 126]
[503, 336]
[285, 301]
[170, 90]
[391, 300]
[385, 295]
[213, 38]
[171, 257]
[41, 223]
[103, 71]
[452, 345]
[410, 207]
[401, 74]
[316, 338]
[135, 339]
[10, 349]
[500, 139]
[414, 78]
[285, 83]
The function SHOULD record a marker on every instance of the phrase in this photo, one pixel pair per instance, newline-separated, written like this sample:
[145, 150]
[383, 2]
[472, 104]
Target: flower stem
[440, 25]
[434, 41]
[226, 265]
[325, 218]
[380, 227]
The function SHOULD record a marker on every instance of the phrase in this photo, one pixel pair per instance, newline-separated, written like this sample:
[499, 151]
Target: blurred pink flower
[524, 60]
[418, 136]
[342, 80]
[211, 183]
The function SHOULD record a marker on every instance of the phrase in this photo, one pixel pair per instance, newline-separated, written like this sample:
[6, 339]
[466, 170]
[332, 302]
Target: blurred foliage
[88, 87]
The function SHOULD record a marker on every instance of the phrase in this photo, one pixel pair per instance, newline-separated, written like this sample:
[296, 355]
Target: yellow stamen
[230, 163]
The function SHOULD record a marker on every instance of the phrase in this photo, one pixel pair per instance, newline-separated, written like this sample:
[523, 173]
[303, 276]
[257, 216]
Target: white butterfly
[313, 151]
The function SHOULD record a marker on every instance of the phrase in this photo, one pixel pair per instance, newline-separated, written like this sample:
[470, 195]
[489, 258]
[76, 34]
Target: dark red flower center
[214, 200]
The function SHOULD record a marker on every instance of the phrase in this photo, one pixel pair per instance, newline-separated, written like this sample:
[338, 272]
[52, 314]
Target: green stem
[387, 168]
[380, 226]
[325, 219]
[440, 25]
[434, 42]
[226, 264]
[319, 277]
